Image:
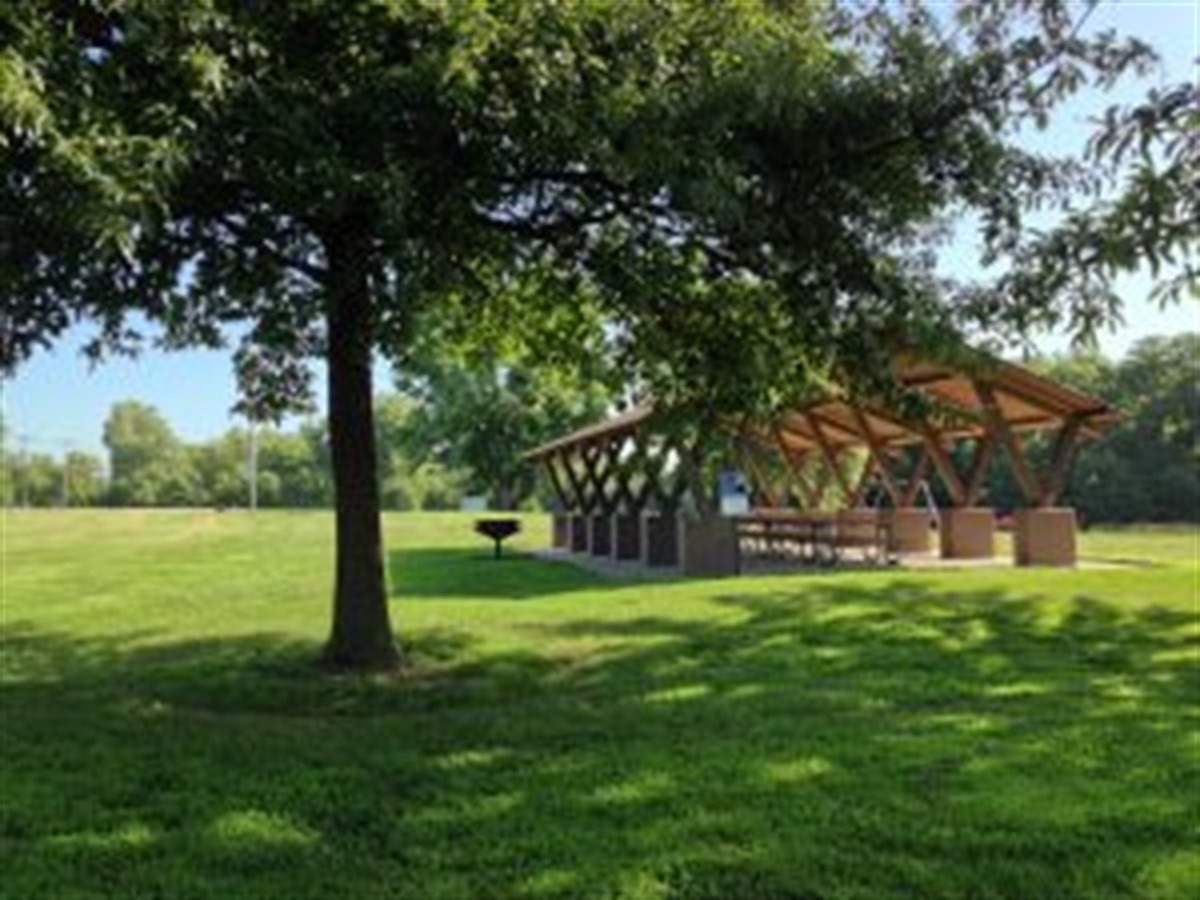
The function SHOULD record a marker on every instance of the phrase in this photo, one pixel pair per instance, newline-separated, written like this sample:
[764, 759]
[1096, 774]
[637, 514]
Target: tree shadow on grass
[425, 573]
[832, 741]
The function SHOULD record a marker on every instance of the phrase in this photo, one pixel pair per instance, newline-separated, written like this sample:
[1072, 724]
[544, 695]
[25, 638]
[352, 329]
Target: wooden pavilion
[623, 487]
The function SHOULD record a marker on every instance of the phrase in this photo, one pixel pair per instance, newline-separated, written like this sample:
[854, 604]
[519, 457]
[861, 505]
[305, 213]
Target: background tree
[477, 406]
[84, 479]
[750, 191]
[148, 464]
[220, 467]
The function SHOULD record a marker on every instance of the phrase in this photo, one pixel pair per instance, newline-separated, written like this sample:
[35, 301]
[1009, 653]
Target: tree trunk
[361, 638]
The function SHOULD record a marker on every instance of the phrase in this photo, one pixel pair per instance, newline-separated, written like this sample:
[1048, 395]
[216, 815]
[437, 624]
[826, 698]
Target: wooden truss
[831, 452]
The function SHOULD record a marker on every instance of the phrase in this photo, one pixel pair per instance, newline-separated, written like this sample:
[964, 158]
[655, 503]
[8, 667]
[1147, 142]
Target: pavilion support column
[660, 539]
[560, 534]
[911, 530]
[1044, 537]
[627, 536]
[968, 532]
[601, 535]
[580, 540]
[560, 527]
[707, 546]
[577, 522]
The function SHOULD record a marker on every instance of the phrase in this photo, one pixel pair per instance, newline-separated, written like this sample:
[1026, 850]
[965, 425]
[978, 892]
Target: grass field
[987, 733]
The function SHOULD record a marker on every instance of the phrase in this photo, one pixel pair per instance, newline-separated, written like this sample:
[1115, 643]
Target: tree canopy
[750, 193]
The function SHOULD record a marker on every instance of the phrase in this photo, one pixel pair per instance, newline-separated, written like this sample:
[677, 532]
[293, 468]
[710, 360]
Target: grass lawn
[986, 733]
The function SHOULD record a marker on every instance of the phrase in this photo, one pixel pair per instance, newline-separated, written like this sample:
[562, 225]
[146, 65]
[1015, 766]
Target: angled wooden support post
[619, 470]
[919, 472]
[762, 484]
[1001, 430]
[581, 500]
[1065, 444]
[827, 452]
[878, 455]
[985, 450]
[794, 461]
[556, 483]
[944, 465]
[870, 467]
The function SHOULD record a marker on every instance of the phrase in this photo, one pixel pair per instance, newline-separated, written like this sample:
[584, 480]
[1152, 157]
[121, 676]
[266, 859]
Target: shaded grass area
[860, 735]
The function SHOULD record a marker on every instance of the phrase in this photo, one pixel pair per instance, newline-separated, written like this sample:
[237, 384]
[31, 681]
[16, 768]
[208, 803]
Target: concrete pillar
[910, 530]
[1044, 537]
[660, 539]
[579, 534]
[968, 533]
[561, 531]
[601, 536]
[708, 546]
[627, 537]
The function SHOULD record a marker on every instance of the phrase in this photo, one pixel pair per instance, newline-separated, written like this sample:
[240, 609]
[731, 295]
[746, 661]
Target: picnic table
[812, 537]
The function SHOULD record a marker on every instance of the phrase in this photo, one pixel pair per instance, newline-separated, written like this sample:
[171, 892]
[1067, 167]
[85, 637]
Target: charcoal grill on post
[497, 530]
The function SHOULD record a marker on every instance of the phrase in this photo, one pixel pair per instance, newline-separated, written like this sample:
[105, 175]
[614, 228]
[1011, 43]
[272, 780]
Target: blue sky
[57, 398]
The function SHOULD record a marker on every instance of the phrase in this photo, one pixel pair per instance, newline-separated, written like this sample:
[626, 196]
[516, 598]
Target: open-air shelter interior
[625, 491]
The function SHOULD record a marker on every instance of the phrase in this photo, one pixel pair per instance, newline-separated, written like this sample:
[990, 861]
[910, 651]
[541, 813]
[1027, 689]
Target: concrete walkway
[611, 568]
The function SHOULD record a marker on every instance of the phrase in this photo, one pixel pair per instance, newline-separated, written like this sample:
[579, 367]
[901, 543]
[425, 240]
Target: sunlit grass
[983, 733]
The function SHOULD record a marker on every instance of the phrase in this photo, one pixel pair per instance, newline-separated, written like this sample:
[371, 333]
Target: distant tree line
[457, 428]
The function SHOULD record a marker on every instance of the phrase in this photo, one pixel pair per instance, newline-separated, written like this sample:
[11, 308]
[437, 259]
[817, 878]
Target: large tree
[748, 190]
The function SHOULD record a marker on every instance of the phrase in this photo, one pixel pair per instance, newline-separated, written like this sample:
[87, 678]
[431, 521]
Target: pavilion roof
[966, 395]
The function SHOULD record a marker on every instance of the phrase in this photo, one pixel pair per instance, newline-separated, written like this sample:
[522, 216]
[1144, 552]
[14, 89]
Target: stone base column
[910, 530]
[968, 533]
[627, 537]
[579, 534]
[560, 533]
[1044, 537]
[660, 540]
[601, 536]
[708, 546]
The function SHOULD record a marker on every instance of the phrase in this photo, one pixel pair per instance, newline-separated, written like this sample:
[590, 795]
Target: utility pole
[23, 440]
[66, 474]
[252, 464]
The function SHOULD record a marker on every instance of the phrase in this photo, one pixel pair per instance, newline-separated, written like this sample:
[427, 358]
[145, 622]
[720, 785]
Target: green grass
[982, 733]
